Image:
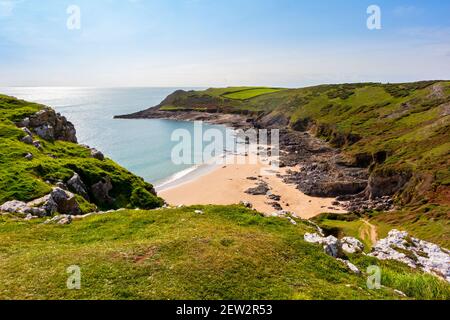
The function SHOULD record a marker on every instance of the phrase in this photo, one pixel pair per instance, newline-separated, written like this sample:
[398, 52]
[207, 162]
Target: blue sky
[221, 42]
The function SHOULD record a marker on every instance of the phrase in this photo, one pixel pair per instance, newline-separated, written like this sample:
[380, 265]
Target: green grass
[229, 252]
[249, 93]
[429, 223]
[25, 180]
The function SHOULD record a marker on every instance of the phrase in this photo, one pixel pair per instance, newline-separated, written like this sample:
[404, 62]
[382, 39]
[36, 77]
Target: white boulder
[352, 245]
[331, 245]
[414, 252]
[350, 266]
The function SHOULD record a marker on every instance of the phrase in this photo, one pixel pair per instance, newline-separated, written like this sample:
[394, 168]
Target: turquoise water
[142, 146]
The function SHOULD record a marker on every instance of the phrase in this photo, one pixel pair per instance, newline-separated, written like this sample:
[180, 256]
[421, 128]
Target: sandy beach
[227, 184]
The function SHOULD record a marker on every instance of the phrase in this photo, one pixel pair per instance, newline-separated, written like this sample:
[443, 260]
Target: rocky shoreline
[232, 120]
[323, 170]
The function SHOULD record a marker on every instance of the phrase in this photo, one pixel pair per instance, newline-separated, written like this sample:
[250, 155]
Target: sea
[143, 146]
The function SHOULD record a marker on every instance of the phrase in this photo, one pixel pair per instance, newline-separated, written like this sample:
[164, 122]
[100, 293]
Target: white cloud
[6, 8]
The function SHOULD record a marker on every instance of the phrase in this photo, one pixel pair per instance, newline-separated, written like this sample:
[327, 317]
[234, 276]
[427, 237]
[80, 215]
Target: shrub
[141, 198]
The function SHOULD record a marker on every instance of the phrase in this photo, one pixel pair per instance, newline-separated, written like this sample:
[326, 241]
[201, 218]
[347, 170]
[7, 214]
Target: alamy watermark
[214, 146]
[374, 278]
[74, 19]
[74, 280]
[374, 19]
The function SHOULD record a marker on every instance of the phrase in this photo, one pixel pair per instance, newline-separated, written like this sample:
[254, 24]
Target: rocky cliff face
[50, 125]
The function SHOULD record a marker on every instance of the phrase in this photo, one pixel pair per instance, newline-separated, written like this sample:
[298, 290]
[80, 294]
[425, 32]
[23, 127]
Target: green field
[249, 93]
[225, 253]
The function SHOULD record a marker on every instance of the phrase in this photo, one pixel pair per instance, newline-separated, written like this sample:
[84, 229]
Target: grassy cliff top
[26, 180]
[228, 252]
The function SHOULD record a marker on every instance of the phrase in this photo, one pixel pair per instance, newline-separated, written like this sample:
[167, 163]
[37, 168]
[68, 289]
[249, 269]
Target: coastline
[227, 185]
[184, 176]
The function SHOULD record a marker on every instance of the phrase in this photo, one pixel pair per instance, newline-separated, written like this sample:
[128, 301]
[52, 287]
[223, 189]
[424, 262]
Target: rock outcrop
[58, 200]
[262, 188]
[322, 172]
[352, 245]
[414, 252]
[331, 245]
[50, 126]
[335, 247]
[101, 190]
[76, 185]
[97, 154]
[386, 183]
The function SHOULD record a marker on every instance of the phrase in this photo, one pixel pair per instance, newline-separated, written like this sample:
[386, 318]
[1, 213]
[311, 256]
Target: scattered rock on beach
[276, 206]
[261, 189]
[273, 197]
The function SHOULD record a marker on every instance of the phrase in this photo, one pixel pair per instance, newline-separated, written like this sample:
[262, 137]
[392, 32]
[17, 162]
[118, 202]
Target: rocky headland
[46, 172]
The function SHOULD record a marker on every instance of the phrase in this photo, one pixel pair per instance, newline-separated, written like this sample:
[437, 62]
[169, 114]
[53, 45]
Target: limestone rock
[50, 125]
[97, 154]
[77, 185]
[350, 266]
[331, 245]
[46, 132]
[27, 140]
[65, 202]
[414, 252]
[37, 144]
[65, 220]
[27, 131]
[352, 245]
[60, 219]
[19, 207]
[14, 206]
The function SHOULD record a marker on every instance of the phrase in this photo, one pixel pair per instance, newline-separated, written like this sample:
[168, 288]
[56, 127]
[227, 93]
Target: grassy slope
[24, 180]
[226, 253]
[404, 120]
[249, 93]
